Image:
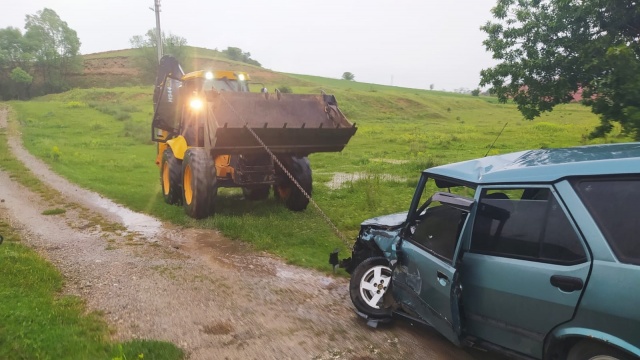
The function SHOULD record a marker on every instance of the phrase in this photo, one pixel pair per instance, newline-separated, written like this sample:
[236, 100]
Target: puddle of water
[340, 178]
[141, 224]
[391, 161]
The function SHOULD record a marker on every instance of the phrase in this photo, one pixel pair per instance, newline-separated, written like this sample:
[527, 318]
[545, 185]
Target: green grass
[56, 211]
[400, 132]
[40, 323]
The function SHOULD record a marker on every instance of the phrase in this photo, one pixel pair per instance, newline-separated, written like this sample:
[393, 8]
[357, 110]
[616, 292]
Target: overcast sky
[412, 43]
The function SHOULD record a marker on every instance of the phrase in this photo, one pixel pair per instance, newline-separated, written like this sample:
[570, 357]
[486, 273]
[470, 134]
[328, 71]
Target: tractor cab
[218, 80]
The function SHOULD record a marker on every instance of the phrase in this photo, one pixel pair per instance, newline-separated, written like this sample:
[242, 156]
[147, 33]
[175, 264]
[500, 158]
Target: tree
[146, 44]
[431, 86]
[475, 92]
[348, 76]
[551, 49]
[12, 48]
[55, 47]
[23, 81]
[236, 54]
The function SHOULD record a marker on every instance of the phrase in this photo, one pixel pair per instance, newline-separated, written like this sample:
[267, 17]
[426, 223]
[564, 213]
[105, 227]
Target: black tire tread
[587, 349]
[300, 169]
[203, 183]
[354, 288]
[174, 197]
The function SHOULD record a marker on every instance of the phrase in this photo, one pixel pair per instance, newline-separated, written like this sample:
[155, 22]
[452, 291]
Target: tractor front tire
[171, 178]
[199, 183]
[287, 191]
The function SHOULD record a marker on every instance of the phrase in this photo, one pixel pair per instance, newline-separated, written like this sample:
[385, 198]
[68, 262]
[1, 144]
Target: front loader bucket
[286, 123]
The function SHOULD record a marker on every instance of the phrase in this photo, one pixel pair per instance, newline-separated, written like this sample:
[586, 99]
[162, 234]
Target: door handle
[567, 283]
[442, 278]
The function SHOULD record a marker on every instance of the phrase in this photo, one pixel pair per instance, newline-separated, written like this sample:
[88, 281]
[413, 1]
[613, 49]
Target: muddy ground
[213, 297]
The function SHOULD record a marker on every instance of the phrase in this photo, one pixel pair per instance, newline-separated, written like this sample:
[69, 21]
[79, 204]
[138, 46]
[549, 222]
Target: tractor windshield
[225, 84]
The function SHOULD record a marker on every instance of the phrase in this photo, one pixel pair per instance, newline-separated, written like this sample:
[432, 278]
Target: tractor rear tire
[171, 178]
[287, 191]
[199, 187]
[256, 193]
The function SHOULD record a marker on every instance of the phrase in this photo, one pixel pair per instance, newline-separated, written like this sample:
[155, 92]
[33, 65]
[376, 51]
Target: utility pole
[158, 32]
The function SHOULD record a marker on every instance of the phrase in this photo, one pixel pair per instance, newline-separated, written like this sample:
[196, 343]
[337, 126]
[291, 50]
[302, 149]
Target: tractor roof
[217, 74]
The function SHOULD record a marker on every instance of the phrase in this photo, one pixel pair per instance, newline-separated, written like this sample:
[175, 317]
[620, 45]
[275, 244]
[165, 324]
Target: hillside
[118, 68]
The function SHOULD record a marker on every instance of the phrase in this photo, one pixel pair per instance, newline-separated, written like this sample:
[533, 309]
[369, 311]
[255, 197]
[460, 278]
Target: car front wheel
[591, 350]
[369, 282]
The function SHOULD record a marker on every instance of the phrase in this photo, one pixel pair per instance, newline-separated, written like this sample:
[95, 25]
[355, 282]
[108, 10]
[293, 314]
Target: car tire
[369, 282]
[591, 350]
[171, 178]
[256, 193]
[199, 183]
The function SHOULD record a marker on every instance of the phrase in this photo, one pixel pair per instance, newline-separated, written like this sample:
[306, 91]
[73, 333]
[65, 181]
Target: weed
[122, 116]
[285, 89]
[56, 211]
[55, 153]
[75, 105]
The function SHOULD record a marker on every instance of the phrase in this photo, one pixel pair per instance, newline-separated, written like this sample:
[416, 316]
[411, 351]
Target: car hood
[386, 221]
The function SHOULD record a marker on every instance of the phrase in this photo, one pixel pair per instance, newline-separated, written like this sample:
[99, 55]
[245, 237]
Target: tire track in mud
[213, 297]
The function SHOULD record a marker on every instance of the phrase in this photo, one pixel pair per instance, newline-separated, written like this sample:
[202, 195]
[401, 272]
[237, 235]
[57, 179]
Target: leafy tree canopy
[550, 49]
[236, 54]
[148, 61]
[44, 55]
[348, 76]
[20, 76]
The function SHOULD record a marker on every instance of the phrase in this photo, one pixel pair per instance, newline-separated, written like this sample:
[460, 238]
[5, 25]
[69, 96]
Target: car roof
[546, 165]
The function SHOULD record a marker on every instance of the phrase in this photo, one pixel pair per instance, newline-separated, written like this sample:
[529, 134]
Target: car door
[425, 280]
[525, 268]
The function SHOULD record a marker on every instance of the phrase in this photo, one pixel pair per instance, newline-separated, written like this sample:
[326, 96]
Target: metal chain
[326, 218]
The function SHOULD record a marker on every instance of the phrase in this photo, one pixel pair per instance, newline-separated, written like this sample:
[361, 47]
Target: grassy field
[99, 138]
[38, 322]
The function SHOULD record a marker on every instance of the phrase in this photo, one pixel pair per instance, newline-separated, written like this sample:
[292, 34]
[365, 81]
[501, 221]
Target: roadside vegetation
[40, 323]
[100, 139]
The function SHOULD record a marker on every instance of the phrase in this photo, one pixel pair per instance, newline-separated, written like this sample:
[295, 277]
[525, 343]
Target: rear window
[613, 204]
[527, 224]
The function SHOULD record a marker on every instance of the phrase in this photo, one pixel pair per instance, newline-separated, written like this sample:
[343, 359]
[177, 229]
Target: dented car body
[535, 254]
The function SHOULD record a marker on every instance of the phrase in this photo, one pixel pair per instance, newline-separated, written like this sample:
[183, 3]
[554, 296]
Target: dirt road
[213, 297]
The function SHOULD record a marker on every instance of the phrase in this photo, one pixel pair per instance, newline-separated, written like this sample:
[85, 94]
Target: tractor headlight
[196, 104]
[241, 77]
[208, 75]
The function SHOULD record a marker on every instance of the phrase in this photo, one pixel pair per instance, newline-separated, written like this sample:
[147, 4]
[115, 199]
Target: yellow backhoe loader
[213, 132]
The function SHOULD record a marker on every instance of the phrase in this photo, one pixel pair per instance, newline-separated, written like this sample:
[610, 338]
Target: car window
[438, 225]
[438, 229]
[525, 224]
[613, 204]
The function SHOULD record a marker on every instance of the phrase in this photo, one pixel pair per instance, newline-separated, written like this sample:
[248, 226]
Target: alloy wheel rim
[374, 285]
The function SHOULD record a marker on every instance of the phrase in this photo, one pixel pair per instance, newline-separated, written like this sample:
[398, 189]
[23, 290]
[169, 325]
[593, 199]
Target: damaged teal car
[534, 254]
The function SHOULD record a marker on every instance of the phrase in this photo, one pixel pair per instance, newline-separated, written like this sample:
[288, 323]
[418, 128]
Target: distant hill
[118, 68]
